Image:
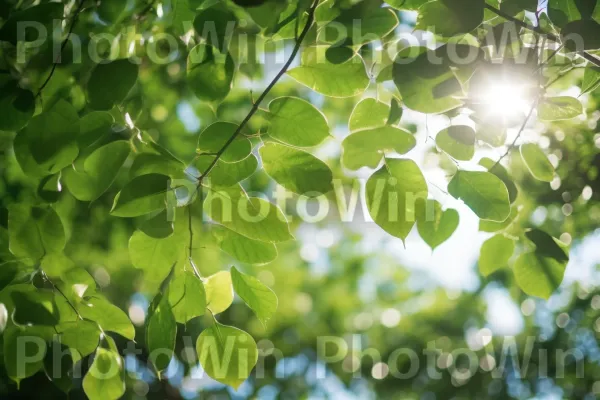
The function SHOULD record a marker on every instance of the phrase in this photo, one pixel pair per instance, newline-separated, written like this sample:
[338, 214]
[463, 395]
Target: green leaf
[83, 336]
[158, 226]
[366, 148]
[99, 171]
[374, 22]
[561, 12]
[537, 162]
[119, 76]
[104, 380]
[450, 17]
[147, 163]
[334, 80]
[16, 107]
[538, 275]
[493, 226]
[395, 112]
[209, 73]
[155, 256]
[24, 352]
[76, 283]
[216, 25]
[56, 264]
[495, 253]
[142, 195]
[94, 127]
[226, 174]
[42, 13]
[581, 35]
[482, 192]
[457, 141]
[213, 138]
[435, 225]
[242, 248]
[34, 308]
[559, 108]
[161, 331]
[108, 316]
[187, 297]
[406, 4]
[260, 298]
[227, 354]
[8, 272]
[546, 245]
[494, 135]
[219, 292]
[182, 14]
[296, 122]
[591, 79]
[369, 113]
[391, 195]
[34, 232]
[252, 217]
[111, 10]
[501, 172]
[48, 142]
[58, 366]
[427, 86]
[296, 170]
[515, 7]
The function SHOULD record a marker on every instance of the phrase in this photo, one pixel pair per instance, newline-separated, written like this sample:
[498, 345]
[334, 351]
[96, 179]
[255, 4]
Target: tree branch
[62, 46]
[512, 145]
[537, 29]
[256, 105]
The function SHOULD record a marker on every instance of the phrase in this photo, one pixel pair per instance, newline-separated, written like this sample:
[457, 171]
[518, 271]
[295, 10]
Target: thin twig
[512, 145]
[61, 292]
[539, 30]
[62, 47]
[191, 230]
[256, 105]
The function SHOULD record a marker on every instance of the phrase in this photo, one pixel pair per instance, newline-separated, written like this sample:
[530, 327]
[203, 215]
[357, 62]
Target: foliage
[104, 169]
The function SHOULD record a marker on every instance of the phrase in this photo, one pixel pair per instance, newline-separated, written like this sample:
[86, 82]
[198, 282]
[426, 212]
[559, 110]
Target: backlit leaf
[391, 195]
[161, 331]
[495, 253]
[227, 354]
[366, 148]
[483, 192]
[296, 170]
[537, 162]
[296, 122]
[219, 292]
[119, 76]
[260, 298]
[104, 380]
[334, 80]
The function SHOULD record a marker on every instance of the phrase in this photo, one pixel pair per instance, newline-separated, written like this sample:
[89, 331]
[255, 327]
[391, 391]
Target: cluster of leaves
[84, 129]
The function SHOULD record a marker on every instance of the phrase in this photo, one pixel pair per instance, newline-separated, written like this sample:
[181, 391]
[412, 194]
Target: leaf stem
[61, 293]
[512, 145]
[62, 47]
[539, 30]
[256, 105]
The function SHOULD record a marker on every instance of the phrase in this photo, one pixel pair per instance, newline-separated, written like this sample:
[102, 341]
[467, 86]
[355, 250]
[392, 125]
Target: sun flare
[505, 99]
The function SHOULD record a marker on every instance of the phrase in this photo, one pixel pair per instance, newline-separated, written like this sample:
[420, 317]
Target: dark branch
[62, 46]
[537, 29]
[256, 105]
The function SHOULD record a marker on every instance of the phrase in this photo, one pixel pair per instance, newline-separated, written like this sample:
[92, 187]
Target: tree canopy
[220, 197]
